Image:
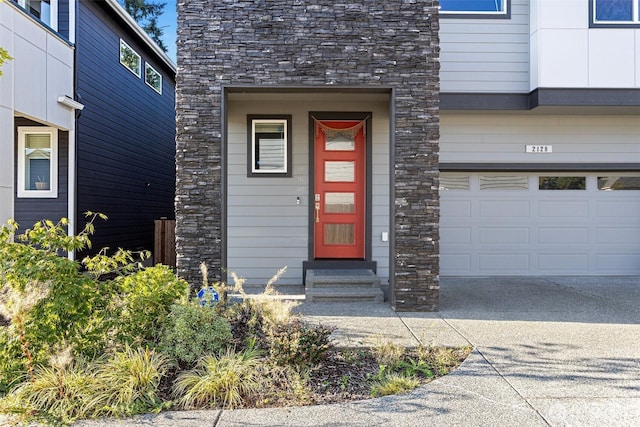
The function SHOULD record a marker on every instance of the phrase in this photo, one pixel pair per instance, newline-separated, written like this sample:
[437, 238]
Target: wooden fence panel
[164, 248]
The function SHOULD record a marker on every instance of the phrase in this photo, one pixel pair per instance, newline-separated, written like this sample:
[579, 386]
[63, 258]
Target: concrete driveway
[548, 351]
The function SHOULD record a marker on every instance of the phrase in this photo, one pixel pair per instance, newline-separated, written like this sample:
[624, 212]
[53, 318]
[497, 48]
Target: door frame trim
[341, 115]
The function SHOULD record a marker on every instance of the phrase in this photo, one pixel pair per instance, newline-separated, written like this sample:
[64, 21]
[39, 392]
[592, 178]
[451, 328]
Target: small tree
[146, 14]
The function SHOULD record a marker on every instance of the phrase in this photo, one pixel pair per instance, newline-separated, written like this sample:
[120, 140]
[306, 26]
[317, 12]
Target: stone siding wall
[318, 44]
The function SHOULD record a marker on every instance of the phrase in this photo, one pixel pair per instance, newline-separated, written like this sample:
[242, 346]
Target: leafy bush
[299, 343]
[226, 380]
[192, 330]
[146, 300]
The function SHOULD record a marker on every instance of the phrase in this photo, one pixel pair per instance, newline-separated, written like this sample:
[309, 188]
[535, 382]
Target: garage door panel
[618, 208]
[460, 263]
[504, 235]
[456, 235]
[456, 209]
[504, 208]
[563, 235]
[539, 232]
[503, 262]
[563, 209]
[623, 263]
[563, 261]
[619, 235]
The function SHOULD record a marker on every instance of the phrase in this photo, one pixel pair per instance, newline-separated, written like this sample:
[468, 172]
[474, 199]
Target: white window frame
[476, 14]
[137, 72]
[149, 67]
[52, 192]
[53, 10]
[635, 18]
[285, 121]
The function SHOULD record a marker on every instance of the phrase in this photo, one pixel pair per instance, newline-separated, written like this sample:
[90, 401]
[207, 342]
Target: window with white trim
[474, 7]
[269, 145]
[615, 12]
[152, 78]
[44, 10]
[130, 58]
[37, 162]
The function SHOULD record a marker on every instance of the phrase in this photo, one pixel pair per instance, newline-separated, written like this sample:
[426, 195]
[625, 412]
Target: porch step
[345, 285]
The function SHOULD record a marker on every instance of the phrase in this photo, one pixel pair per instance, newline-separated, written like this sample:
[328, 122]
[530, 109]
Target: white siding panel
[486, 55]
[612, 58]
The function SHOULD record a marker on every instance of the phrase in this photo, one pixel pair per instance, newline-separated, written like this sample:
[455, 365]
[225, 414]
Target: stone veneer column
[314, 44]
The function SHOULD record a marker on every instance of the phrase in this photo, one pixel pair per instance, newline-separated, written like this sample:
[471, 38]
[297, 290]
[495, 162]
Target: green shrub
[128, 382]
[192, 331]
[299, 343]
[12, 367]
[55, 395]
[225, 380]
[393, 384]
[146, 298]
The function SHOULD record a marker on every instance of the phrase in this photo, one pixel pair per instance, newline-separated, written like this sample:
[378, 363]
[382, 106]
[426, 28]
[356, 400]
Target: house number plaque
[539, 149]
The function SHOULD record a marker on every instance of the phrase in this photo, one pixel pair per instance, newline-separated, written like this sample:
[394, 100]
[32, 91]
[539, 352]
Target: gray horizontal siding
[502, 138]
[486, 55]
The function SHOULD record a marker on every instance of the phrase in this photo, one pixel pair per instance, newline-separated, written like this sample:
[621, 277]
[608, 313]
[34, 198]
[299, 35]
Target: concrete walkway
[548, 351]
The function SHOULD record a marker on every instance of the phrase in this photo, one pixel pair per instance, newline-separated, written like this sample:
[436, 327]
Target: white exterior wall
[41, 70]
[266, 229]
[575, 138]
[486, 55]
[566, 53]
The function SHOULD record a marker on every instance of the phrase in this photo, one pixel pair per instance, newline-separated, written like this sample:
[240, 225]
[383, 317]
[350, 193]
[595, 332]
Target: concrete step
[344, 295]
[343, 285]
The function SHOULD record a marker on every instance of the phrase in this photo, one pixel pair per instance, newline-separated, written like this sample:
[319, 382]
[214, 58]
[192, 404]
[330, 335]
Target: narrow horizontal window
[613, 183]
[454, 183]
[269, 146]
[474, 7]
[153, 78]
[129, 58]
[621, 12]
[504, 182]
[562, 183]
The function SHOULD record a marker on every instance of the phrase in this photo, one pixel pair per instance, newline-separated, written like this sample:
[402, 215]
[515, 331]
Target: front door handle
[317, 211]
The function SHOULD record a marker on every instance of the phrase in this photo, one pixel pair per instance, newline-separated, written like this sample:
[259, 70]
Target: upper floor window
[616, 12]
[130, 58]
[44, 10]
[474, 7]
[153, 78]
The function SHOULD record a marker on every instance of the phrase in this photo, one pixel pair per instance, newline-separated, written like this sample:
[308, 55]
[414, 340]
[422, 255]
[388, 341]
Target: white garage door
[540, 224]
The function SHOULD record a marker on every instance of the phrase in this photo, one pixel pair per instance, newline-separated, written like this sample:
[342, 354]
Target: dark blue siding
[63, 18]
[126, 134]
[27, 211]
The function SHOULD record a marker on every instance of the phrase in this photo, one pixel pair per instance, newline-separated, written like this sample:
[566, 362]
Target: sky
[168, 23]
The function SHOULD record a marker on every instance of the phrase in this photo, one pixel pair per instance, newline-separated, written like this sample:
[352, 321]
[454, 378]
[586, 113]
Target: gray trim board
[544, 167]
[541, 97]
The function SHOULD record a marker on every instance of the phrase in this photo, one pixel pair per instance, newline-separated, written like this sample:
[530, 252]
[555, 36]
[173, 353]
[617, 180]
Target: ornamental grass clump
[225, 380]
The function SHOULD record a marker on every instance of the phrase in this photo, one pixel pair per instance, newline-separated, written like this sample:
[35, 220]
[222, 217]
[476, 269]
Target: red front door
[339, 181]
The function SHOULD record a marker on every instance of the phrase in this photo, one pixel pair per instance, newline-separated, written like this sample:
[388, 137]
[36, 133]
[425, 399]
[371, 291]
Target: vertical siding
[486, 55]
[266, 229]
[126, 135]
[502, 138]
[27, 211]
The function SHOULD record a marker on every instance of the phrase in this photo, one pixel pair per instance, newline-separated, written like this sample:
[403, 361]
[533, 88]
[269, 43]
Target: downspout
[71, 184]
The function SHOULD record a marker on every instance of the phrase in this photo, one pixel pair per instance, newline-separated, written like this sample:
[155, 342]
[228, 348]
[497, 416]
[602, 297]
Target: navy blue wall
[63, 18]
[27, 211]
[126, 134]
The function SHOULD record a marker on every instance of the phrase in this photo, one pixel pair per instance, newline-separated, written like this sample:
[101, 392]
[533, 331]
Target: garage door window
[562, 183]
[500, 182]
[612, 183]
[454, 183]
